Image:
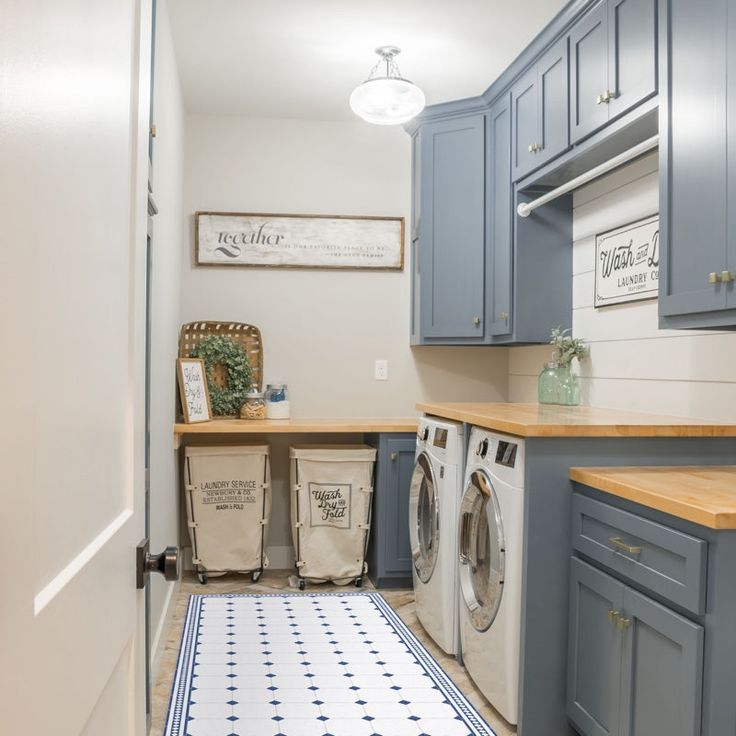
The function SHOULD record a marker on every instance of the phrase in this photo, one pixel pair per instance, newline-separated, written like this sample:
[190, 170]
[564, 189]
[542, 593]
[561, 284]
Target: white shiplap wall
[632, 364]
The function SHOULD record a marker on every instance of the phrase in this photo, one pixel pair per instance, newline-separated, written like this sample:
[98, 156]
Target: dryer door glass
[481, 550]
[424, 527]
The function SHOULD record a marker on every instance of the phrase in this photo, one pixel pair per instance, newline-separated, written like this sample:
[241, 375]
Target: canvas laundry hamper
[227, 492]
[332, 490]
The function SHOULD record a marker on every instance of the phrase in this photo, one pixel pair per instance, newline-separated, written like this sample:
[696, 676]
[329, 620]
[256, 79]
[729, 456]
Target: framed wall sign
[627, 263]
[299, 241]
[195, 398]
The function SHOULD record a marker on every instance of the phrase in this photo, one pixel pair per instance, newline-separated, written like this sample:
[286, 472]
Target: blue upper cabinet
[697, 164]
[539, 102]
[613, 63]
[449, 228]
[499, 221]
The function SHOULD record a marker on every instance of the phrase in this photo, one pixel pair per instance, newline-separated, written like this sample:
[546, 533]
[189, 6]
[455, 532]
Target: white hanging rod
[526, 208]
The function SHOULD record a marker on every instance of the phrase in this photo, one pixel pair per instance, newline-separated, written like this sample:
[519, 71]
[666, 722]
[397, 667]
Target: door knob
[167, 563]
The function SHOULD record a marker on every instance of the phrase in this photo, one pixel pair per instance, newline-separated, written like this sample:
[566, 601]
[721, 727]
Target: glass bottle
[569, 386]
[548, 384]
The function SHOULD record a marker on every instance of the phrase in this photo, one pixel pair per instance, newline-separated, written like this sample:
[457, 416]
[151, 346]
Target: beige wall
[322, 330]
[168, 234]
[633, 364]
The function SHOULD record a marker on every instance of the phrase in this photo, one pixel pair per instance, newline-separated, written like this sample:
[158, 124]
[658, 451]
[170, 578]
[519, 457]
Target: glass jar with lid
[254, 406]
[277, 401]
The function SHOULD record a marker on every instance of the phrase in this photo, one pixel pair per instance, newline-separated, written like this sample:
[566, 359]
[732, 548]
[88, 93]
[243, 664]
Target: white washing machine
[491, 526]
[434, 498]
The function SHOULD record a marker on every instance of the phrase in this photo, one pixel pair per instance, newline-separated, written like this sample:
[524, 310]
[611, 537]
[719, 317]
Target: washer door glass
[481, 550]
[424, 523]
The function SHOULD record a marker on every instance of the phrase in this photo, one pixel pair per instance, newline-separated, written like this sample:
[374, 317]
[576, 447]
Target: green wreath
[214, 350]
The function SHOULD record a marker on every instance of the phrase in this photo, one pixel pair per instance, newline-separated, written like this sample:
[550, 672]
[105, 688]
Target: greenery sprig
[566, 346]
[221, 350]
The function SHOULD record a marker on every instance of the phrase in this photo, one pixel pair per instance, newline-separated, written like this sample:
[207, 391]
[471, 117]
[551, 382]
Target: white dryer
[433, 505]
[491, 525]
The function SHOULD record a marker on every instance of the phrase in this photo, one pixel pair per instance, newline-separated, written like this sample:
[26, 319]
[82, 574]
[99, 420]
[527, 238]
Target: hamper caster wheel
[302, 583]
[202, 577]
[359, 582]
[256, 576]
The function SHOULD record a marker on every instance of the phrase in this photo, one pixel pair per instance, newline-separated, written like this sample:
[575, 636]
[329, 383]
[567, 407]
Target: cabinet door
[395, 547]
[452, 229]
[662, 670]
[499, 220]
[594, 661]
[588, 73]
[416, 223]
[525, 117]
[554, 102]
[731, 118]
[632, 53]
[693, 168]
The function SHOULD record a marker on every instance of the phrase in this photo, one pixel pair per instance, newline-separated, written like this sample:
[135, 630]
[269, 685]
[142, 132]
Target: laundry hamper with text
[228, 500]
[332, 489]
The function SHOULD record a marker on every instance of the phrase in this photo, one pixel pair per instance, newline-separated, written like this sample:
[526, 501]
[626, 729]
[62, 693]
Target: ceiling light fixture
[389, 99]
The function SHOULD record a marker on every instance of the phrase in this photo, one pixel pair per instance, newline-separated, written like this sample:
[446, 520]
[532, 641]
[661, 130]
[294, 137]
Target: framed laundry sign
[299, 241]
[627, 263]
[195, 397]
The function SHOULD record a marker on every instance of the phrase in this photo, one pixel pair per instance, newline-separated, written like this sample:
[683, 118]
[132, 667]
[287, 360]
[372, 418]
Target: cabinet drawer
[661, 559]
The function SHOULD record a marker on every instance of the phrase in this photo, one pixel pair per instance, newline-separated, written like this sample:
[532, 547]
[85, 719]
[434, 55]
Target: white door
[74, 88]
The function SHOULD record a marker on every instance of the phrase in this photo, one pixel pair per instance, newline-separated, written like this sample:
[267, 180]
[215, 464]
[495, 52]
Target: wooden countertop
[346, 425]
[547, 420]
[705, 495]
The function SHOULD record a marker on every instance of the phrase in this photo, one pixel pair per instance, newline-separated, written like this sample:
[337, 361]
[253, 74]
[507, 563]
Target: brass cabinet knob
[613, 614]
[713, 277]
[605, 98]
[534, 148]
[623, 623]
[531, 147]
[505, 316]
[726, 277]
[476, 321]
[599, 100]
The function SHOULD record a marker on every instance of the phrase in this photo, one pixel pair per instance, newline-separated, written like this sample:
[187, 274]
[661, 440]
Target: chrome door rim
[483, 613]
[424, 563]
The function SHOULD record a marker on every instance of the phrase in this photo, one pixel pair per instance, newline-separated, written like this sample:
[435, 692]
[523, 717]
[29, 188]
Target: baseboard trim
[158, 643]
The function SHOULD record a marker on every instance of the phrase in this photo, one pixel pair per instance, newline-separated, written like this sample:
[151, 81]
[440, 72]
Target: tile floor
[402, 601]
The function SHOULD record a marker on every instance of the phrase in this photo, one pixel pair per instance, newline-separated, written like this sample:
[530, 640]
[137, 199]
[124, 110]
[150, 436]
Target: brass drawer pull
[622, 546]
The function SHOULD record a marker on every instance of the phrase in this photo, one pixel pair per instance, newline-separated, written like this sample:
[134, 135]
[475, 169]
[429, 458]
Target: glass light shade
[387, 101]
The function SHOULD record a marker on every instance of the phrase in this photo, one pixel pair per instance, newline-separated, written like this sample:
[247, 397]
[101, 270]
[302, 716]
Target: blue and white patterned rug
[324, 664]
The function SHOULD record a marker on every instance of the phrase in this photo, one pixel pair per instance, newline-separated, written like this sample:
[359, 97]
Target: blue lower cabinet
[635, 666]
[389, 552]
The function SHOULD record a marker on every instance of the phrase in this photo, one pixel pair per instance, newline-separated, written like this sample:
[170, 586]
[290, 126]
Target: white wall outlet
[381, 370]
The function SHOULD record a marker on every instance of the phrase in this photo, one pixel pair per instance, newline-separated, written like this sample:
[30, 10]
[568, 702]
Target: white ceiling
[302, 58]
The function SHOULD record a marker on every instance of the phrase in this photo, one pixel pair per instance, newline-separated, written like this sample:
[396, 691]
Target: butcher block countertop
[346, 425]
[705, 495]
[547, 420]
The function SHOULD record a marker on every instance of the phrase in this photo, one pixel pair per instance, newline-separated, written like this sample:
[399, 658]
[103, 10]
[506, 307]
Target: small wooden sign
[299, 241]
[195, 398]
